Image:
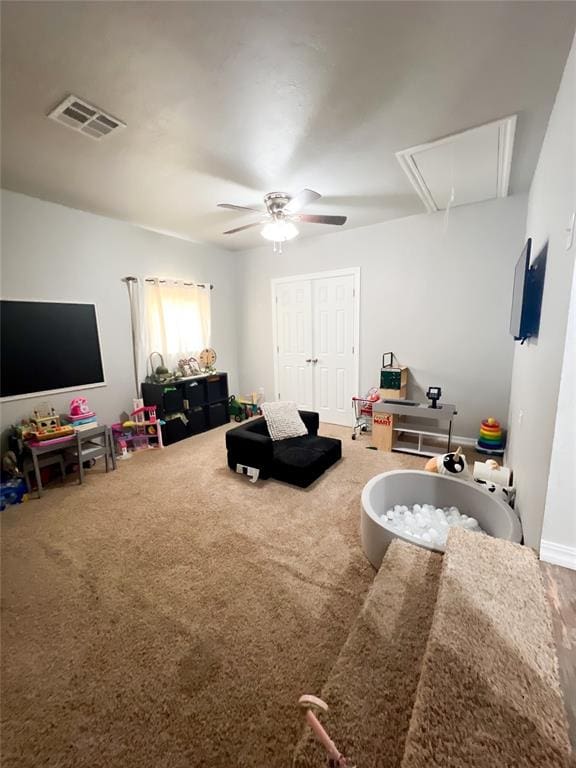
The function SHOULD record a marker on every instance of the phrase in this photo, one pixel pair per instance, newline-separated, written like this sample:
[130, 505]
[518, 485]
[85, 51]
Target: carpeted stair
[372, 686]
[489, 693]
[450, 664]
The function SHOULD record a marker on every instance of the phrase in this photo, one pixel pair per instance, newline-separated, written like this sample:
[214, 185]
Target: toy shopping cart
[363, 412]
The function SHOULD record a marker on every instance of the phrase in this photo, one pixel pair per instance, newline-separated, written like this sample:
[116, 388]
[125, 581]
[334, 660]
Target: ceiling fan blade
[312, 218]
[231, 207]
[301, 200]
[239, 229]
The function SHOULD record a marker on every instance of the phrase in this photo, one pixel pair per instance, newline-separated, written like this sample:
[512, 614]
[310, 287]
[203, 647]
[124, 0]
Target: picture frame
[189, 367]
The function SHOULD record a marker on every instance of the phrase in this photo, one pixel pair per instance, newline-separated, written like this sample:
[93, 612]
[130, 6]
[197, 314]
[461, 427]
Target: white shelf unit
[425, 434]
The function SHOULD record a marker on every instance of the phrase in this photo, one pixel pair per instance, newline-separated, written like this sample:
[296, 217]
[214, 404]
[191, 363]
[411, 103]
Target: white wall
[559, 530]
[439, 297]
[57, 253]
[537, 364]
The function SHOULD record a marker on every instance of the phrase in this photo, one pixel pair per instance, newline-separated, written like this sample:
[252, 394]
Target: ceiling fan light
[279, 231]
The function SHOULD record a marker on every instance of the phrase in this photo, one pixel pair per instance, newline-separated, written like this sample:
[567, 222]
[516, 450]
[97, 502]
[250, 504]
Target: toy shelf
[421, 448]
[392, 420]
[189, 406]
[413, 429]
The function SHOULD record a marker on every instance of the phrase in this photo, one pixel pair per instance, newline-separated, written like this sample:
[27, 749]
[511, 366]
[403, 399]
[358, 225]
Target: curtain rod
[131, 279]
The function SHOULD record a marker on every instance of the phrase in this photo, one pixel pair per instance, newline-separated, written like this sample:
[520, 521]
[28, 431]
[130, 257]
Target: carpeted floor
[171, 613]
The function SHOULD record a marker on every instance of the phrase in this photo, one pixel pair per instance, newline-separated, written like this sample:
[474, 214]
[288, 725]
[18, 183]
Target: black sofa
[297, 460]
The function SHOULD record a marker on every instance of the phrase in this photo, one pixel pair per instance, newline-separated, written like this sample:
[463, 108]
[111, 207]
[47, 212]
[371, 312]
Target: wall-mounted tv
[48, 347]
[527, 294]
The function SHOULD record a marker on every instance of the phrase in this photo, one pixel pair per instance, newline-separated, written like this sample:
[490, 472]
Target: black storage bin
[202, 399]
[217, 387]
[173, 431]
[166, 397]
[172, 400]
[197, 421]
[218, 414]
[195, 392]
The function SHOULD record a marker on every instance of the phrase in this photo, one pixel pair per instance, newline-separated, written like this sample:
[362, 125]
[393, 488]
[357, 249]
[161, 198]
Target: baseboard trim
[558, 554]
[459, 440]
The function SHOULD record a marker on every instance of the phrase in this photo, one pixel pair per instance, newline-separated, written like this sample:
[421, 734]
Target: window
[177, 319]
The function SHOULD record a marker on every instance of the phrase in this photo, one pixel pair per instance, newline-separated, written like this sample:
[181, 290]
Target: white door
[315, 330]
[294, 343]
[333, 345]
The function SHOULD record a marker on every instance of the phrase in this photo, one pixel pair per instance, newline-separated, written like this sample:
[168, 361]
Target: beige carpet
[489, 694]
[372, 686]
[171, 613]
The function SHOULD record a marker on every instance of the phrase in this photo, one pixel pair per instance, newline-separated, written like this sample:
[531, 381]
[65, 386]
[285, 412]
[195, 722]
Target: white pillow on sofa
[283, 420]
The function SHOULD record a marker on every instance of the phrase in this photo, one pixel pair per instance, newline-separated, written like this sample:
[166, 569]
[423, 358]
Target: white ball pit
[413, 487]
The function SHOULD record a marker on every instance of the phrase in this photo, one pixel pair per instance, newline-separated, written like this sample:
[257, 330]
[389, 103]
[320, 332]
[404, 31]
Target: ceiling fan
[280, 214]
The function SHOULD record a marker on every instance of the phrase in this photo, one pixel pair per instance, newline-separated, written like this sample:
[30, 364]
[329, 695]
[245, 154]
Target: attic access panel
[474, 165]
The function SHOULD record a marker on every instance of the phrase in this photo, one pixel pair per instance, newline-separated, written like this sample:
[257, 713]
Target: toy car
[237, 409]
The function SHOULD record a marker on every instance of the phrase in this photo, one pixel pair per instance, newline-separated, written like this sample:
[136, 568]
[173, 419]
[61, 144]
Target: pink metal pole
[335, 758]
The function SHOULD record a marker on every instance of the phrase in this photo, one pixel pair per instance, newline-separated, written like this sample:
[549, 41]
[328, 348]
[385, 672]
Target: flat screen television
[48, 347]
[519, 314]
[528, 293]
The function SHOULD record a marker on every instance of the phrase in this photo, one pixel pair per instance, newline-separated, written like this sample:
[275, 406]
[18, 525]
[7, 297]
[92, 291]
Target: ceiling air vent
[467, 167]
[81, 116]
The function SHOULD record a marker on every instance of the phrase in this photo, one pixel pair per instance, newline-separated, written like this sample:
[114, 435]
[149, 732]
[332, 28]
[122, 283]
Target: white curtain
[176, 319]
[137, 320]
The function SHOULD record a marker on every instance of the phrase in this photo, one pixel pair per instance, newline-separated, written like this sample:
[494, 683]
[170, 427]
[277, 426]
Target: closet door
[333, 361]
[294, 342]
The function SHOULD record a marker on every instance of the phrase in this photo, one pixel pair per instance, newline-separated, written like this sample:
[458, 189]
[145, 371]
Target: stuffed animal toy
[495, 479]
[449, 464]
[491, 472]
[491, 477]
[10, 468]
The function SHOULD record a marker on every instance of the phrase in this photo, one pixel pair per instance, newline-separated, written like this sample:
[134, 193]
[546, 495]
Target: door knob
[308, 360]
[315, 360]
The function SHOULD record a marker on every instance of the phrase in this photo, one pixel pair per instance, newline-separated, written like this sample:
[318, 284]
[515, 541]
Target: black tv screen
[518, 316]
[48, 346]
[536, 279]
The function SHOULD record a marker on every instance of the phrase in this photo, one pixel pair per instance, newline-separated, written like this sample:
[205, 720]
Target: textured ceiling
[226, 101]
